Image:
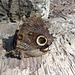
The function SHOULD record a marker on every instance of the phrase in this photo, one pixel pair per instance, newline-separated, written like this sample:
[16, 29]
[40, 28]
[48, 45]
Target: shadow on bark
[8, 45]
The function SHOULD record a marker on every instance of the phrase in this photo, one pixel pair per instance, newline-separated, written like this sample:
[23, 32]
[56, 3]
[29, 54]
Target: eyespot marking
[41, 40]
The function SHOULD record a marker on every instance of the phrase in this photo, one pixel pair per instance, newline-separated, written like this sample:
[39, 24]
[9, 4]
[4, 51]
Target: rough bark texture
[59, 61]
[61, 58]
[61, 7]
[15, 9]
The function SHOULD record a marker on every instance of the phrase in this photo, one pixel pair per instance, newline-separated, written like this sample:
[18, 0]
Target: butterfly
[32, 39]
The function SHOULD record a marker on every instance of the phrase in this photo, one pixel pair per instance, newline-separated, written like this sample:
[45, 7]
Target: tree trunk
[60, 60]
[14, 9]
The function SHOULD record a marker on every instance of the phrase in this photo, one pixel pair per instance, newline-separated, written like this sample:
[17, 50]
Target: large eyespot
[20, 36]
[41, 40]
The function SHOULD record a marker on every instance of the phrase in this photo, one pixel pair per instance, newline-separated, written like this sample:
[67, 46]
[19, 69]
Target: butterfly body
[32, 39]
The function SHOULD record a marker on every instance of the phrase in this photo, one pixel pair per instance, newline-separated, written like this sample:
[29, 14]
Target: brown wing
[33, 37]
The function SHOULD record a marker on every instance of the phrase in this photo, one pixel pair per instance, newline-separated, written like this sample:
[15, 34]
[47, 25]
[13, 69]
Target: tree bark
[14, 9]
[60, 60]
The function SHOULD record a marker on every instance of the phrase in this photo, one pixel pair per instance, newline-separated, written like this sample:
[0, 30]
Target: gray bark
[61, 58]
[59, 7]
[14, 9]
[59, 61]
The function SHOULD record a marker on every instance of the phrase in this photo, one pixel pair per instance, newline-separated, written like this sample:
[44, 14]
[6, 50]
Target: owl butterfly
[32, 39]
